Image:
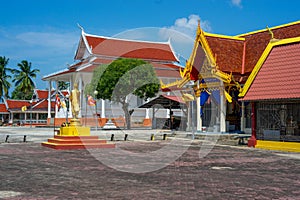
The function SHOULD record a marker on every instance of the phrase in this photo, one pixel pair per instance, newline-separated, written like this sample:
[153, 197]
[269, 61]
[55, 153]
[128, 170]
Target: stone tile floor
[30, 171]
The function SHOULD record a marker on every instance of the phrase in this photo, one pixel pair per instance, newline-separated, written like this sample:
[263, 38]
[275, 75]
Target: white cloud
[182, 33]
[237, 3]
[189, 25]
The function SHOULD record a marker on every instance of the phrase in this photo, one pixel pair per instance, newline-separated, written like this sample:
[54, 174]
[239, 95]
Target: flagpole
[57, 105]
[85, 111]
[96, 93]
[54, 118]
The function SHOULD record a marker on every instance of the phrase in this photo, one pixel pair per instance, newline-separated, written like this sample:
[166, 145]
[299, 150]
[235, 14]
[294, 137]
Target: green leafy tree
[19, 94]
[92, 86]
[124, 77]
[4, 77]
[23, 77]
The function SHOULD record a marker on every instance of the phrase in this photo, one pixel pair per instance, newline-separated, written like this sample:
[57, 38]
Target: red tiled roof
[228, 53]
[162, 70]
[167, 73]
[18, 104]
[166, 70]
[257, 42]
[278, 77]
[113, 47]
[3, 108]
[174, 98]
[43, 94]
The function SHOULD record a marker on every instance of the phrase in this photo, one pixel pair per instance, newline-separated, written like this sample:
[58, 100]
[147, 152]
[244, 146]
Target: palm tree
[24, 76]
[4, 84]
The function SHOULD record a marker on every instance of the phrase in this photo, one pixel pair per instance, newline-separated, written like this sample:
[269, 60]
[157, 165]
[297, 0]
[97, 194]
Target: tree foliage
[124, 77]
[23, 77]
[92, 86]
[19, 94]
[4, 77]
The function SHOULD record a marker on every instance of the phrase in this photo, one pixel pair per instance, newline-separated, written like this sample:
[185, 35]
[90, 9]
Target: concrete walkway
[30, 171]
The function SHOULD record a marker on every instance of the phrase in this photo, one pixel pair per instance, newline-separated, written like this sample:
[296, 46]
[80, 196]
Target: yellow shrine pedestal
[76, 136]
[74, 129]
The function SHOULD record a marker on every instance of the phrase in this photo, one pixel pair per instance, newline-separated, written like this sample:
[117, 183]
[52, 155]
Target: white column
[102, 108]
[11, 118]
[222, 109]
[49, 99]
[147, 113]
[168, 110]
[199, 119]
[168, 113]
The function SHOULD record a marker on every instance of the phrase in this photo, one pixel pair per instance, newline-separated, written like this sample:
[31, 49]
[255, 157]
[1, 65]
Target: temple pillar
[243, 117]
[222, 109]
[147, 120]
[49, 100]
[199, 118]
[102, 108]
[103, 118]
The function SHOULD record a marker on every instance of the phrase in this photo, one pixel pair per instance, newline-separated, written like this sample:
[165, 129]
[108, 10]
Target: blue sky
[45, 32]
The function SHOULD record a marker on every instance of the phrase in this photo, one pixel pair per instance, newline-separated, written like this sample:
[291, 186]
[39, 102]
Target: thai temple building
[94, 51]
[252, 80]
[243, 83]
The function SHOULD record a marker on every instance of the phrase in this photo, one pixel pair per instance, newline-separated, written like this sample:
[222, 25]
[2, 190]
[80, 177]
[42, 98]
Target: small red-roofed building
[31, 112]
[4, 114]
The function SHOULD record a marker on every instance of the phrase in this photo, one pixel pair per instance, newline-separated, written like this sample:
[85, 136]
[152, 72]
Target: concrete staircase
[76, 142]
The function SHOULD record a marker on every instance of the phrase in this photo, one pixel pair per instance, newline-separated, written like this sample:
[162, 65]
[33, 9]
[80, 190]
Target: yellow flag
[24, 108]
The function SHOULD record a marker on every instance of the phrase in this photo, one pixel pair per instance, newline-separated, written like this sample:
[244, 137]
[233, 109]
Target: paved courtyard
[133, 171]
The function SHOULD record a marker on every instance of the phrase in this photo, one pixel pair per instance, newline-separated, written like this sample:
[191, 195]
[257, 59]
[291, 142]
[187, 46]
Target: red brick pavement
[30, 171]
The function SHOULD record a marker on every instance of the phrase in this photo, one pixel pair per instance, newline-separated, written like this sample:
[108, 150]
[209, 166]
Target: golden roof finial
[271, 33]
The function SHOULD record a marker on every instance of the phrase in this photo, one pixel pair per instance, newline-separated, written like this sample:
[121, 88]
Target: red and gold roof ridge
[267, 29]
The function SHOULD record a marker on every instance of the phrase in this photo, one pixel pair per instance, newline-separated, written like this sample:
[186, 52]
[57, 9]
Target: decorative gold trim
[224, 36]
[272, 28]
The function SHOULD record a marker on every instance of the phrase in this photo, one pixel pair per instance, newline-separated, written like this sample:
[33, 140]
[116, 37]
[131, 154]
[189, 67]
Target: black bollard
[164, 136]
[24, 139]
[125, 137]
[112, 137]
[6, 139]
